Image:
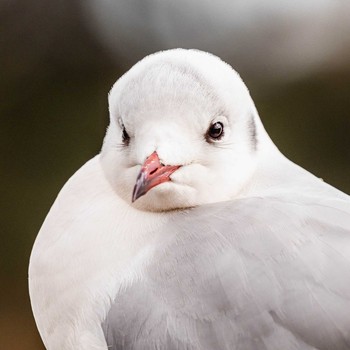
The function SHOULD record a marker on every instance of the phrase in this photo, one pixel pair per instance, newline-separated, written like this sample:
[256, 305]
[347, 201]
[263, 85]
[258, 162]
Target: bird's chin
[166, 197]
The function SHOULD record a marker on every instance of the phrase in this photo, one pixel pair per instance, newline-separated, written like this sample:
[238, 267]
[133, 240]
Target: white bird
[190, 230]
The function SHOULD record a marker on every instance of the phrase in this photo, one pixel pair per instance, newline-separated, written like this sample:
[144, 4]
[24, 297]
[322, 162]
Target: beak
[152, 174]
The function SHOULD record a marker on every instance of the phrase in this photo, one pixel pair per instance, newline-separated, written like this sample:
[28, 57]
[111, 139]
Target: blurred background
[59, 59]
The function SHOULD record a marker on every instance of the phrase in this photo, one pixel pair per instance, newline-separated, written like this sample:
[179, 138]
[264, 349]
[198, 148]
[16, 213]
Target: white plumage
[234, 248]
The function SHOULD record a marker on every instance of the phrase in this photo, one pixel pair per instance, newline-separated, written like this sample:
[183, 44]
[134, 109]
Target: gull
[191, 230]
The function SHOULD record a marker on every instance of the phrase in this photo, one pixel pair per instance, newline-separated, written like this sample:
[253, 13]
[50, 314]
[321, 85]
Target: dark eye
[125, 136]
[215, 131]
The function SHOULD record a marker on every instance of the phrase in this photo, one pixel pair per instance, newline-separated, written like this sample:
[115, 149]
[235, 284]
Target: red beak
[152, 174]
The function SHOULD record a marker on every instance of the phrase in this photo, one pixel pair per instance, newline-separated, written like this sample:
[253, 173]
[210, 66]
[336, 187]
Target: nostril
[153, 171]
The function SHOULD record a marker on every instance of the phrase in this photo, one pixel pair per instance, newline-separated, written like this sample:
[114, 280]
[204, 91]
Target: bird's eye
[215, 131]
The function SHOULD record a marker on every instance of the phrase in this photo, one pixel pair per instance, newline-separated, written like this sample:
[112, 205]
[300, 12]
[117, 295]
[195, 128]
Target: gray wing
[257, 273]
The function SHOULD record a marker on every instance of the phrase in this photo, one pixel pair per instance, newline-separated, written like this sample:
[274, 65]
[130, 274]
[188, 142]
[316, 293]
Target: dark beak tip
[135, 194]
[139, 188]
[135, 197]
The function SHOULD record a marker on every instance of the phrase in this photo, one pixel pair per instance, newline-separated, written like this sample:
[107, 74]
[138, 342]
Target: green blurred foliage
[54, 114]
[309, 120]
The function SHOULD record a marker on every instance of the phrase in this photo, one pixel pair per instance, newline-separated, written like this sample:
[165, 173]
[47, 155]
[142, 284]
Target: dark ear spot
[125, 137]
[252, 133]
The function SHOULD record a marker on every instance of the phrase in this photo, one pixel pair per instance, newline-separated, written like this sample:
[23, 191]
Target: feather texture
[255, 273]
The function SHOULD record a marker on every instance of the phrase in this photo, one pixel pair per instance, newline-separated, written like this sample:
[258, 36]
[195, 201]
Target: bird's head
[183, 132]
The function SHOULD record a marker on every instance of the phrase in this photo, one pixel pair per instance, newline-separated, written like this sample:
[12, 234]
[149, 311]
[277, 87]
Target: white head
[195, 112]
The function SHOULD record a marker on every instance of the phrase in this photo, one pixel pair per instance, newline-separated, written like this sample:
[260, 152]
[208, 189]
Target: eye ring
[215, 131]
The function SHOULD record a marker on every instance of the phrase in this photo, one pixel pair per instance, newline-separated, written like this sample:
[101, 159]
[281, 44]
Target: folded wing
[255, 273]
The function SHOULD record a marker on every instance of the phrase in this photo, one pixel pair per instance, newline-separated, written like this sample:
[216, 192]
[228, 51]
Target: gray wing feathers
[250, 274]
